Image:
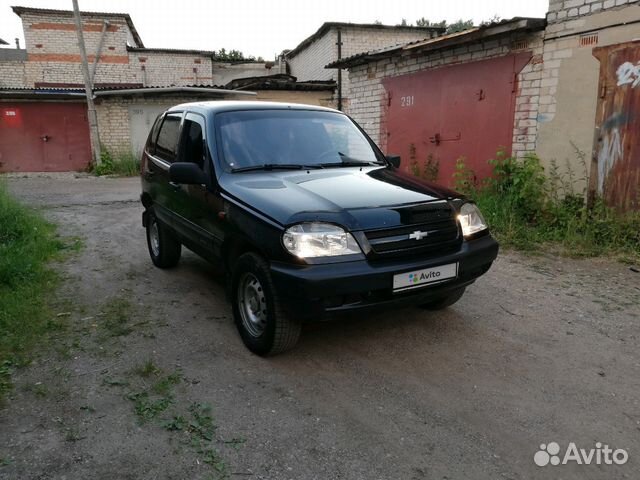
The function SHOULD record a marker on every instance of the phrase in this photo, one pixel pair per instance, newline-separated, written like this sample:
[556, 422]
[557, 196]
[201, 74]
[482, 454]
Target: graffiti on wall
[616, 168]
[628, 73]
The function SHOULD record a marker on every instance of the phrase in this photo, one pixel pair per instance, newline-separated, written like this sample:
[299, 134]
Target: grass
[116, 314]
[122, 165]
[530, 209]
[27, 243]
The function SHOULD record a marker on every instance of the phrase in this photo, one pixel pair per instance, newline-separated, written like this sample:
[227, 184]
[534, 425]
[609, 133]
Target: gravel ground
[541, 349]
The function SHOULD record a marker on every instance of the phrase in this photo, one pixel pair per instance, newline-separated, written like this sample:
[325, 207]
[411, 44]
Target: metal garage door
[141, 118]
[464, 110]
[44, 137]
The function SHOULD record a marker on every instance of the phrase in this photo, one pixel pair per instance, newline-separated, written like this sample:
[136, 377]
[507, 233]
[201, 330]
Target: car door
[198, 206]
[160, 156]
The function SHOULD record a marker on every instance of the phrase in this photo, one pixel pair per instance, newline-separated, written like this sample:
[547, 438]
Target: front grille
[436, 220]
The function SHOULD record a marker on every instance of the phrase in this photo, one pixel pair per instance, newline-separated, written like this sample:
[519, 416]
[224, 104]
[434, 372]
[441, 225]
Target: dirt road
[540, 350]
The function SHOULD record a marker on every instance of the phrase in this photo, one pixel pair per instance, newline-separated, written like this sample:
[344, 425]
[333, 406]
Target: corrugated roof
[69, 93]
[279, 81]
[445, 41]
[328, 25]
[19, 10]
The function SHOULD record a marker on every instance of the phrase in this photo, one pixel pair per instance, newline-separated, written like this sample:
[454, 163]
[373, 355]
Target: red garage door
[44, 137]
[437, 116]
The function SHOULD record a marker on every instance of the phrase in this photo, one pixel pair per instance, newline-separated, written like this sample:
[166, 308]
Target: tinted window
[192, 143]
[151, 141]
[250, 138]
[167, 142]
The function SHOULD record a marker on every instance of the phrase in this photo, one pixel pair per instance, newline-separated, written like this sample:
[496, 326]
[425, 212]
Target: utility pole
[339, 43]
[91, 108]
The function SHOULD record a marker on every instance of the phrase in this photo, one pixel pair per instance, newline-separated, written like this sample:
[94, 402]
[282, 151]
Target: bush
[526, 208]
[27, 242]
[124, 165]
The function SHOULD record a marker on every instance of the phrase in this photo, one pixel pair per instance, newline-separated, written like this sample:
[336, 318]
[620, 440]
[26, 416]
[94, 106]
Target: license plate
[426, 276]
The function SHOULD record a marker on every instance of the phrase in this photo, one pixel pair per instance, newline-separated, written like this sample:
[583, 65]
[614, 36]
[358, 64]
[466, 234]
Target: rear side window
[192, 149]
[167, 142]
[151, 141]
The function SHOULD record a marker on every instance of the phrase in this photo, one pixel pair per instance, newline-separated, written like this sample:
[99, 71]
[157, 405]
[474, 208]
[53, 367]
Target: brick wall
[165, 69]
[368, 95]
[309, 63]
[12, 74]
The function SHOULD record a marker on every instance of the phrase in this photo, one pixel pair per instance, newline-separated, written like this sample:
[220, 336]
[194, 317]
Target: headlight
[308, 240]
[471, 220]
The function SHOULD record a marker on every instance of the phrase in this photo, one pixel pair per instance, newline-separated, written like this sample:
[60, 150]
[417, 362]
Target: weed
[27, 243]
[147, 408]
[147, 369]
[164, 385]
[4, 461]
[116, 314]
[38, 389]
[177, 423]
[526, 208]
[124, 164]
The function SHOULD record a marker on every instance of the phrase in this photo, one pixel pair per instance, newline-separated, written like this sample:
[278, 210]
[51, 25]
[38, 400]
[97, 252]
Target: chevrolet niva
[305, 214]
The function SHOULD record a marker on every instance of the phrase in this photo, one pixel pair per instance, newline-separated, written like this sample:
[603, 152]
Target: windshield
[292, 139]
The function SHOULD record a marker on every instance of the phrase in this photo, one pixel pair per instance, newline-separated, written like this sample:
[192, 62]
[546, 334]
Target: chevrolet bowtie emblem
[418, 235]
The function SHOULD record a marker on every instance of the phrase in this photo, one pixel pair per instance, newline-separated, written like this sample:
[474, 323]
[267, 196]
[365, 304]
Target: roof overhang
[446, 41]
[163, 90]
[2, 42]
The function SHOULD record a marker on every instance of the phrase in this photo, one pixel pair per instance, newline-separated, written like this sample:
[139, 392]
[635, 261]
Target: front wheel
[164, 249]
[445, 301]
[264, 326]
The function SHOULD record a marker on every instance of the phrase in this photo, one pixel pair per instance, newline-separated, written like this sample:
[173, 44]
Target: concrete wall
[368, 94]
[223, 72]
[321, 98]
[569, 93]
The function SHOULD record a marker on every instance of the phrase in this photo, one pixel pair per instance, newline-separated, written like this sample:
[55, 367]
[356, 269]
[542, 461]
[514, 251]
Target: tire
[164, 249]
[264, 325]
[444, 302]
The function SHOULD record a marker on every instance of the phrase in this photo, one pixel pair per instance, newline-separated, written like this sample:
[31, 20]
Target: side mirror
[187, 173]
[394, 160]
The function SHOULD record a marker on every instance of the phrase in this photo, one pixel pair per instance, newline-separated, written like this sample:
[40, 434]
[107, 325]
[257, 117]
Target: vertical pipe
[339, 69]
[91, 108]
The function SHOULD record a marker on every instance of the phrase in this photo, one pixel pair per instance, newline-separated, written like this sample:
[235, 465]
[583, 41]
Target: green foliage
[123, 165]
[429, 171]
[527, 208]
[232, 56]
[27, 243]
[457, 26]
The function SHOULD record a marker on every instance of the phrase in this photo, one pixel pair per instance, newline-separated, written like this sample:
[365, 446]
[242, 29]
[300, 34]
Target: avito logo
[415, 278]
[601, 455]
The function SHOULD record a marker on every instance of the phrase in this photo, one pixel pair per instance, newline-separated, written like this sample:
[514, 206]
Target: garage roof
[2, 42]
[325, 27]
[18, 10]
[279, 81]
[446, 41]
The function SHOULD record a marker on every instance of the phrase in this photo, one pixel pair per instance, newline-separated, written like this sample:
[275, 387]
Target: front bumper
[313, 291]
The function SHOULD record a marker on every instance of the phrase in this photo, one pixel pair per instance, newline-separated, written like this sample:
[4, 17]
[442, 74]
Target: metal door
[44, 137]
[141, 118]
[436, 116]
[615, 171]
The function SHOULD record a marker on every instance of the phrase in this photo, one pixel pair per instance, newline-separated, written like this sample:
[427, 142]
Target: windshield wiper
[275, 166]
[347, 161]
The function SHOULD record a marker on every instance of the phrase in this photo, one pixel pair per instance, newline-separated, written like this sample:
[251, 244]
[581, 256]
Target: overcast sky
[266, 27]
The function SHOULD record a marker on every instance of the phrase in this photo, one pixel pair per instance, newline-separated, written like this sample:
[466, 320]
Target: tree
[454, 27]
[231, 56]
[425, 22]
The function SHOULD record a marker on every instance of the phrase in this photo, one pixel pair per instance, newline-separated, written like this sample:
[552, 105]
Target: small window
[151, 140]
[192, 143]
[168, 137]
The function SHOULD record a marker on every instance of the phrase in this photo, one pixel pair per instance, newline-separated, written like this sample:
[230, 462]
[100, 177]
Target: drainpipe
[105, 25]
[339, 69]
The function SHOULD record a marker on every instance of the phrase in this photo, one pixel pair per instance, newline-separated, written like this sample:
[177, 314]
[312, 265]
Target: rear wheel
[444, 301]
[264, 325]
[164, 249]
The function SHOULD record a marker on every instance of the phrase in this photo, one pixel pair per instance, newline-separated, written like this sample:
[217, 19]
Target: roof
[325, 27]
[235, 105]
[18, 10]
[206, 53]
[482, 32]
[279, 81]
[2, 42]
[74, 92]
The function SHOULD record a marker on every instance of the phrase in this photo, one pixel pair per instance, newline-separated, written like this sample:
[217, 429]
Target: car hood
[357, 198]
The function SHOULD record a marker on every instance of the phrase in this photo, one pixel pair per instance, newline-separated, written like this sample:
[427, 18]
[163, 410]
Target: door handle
[45, 138]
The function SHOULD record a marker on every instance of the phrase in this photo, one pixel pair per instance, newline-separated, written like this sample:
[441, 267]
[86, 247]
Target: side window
[167, 142]
[192, 148]
[151, 140]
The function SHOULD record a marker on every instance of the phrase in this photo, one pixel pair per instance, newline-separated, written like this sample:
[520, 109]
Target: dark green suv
[305, 214]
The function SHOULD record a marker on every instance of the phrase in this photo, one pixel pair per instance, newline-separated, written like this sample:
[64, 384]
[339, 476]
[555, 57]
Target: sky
[266, 27]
